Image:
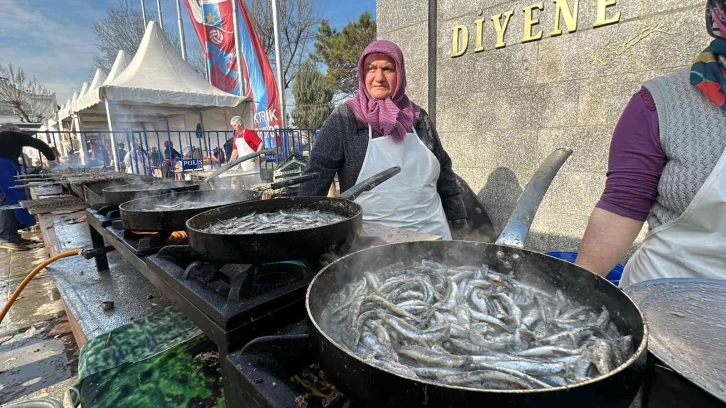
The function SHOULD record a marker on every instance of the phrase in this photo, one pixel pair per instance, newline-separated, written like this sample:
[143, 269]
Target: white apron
[692, 246]
[408, 200]
[250, 168]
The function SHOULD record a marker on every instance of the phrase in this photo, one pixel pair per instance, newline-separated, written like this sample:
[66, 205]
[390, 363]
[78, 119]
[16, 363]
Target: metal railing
[169, 154]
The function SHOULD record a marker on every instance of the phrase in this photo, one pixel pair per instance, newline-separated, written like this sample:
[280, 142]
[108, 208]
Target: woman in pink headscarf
[381, 128]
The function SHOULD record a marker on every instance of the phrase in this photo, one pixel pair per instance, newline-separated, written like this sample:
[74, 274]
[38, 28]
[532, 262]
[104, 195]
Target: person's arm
[607, 239]
[635, 165]
[326, 157]
[446, 186]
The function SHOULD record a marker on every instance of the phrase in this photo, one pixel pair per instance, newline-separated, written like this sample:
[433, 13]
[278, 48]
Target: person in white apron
[408, 200]
[251, 168]
[380, 128]
[668, 162]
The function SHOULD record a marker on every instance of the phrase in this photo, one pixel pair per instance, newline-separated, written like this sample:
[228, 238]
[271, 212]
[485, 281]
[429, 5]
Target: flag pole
[237, 47]
[278, 62]
[158, 10]
[143, 13]
[180, 23]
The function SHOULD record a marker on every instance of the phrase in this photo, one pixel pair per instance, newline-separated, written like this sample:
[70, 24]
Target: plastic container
[614, 275]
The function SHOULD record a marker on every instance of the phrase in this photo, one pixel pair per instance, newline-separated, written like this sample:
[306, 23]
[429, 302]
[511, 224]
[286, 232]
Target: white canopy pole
[180, 23]
[161, 17]
[76, 125]
[278, 62]
[143, 13]
[113, 139]
[237, 47]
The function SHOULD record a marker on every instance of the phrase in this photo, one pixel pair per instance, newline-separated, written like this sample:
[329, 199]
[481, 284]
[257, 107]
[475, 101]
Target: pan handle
[369, 183]
[235, 162]
[517, 228]
[294, 180]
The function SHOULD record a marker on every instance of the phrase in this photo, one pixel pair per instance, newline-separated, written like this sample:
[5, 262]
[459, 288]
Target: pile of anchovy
[473, 327]
[279, 221]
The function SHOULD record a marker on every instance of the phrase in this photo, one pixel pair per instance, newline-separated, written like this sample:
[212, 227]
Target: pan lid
[687, 323]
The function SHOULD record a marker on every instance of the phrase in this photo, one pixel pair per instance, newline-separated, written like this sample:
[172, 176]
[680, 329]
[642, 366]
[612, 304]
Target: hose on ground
[30, 277]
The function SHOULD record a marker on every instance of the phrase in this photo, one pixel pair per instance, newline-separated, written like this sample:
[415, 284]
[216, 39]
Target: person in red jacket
[246, 142]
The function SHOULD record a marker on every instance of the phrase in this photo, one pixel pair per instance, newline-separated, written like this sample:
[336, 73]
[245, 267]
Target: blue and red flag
[213, 23]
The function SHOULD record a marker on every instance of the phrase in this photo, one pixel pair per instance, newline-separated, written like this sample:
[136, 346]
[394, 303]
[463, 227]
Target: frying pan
[158, 213]
[686, 318]
[282, 246]
[382, 388]
[120, 194]
[117, 195]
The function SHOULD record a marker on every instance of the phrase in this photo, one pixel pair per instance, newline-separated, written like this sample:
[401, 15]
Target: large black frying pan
[118, 195]
[381, 388]
[170, 212]
[282, 246]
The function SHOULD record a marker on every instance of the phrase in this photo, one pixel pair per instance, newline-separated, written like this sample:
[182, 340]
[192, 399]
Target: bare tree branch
[30, 100]
[123, 29]
[298, 25]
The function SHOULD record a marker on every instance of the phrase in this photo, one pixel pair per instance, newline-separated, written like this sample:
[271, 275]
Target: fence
[170, 154]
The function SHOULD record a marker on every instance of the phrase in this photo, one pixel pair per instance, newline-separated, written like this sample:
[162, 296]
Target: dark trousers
[8, 223]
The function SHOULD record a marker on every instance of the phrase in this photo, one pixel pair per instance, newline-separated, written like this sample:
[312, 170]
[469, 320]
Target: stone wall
[501, 111]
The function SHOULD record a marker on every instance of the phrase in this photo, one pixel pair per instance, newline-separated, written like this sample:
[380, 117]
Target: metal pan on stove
[379, 387]
[281, 246]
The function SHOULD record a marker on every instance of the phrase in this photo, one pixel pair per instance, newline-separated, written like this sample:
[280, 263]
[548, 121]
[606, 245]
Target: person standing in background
[246, 142]
[13, 220]
[170, 157]
[137, 161]
[668, 166]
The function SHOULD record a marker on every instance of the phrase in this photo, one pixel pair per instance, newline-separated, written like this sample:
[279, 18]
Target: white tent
[84, 89]
[88, 98]
[119, 65]
[157, 92]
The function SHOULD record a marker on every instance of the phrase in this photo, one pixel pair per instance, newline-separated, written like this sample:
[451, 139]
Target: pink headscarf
[394, 116]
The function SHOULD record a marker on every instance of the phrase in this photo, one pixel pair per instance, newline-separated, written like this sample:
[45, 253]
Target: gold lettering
[455, 50]
[500, 28]
[479, 33]
[530, 21]
[602, 19]
[563, 9]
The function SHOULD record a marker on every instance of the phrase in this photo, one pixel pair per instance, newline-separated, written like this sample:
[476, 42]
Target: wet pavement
[38, 355]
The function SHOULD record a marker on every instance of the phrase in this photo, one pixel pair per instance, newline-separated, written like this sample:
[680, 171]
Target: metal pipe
[143, 13]
[180, 23]
[237, 47]
[158, 10]
[278, 61]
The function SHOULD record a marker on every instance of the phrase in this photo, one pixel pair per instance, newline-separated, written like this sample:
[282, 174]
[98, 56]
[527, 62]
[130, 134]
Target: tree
[298, 24]
[123, 29]
[340, 51]
[312, 97]
[30, 100]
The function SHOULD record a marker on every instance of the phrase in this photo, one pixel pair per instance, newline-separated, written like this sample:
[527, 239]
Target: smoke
[176, 201]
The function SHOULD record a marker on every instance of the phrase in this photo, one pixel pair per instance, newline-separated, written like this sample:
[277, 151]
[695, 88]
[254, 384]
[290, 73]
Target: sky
[53, 39]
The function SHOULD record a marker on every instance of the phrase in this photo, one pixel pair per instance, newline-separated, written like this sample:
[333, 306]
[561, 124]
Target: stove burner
[280, 371]
[240, 282]
[110, 211]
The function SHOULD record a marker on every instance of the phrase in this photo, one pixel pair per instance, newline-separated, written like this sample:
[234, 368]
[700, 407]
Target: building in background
[523, 78]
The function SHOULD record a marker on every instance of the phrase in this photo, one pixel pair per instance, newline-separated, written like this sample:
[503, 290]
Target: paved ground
[38, 356]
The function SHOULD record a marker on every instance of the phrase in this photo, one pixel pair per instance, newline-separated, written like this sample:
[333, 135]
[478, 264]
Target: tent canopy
[158, 75]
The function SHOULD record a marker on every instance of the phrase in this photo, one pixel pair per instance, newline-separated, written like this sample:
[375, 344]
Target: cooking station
[255, 312]
[231, 303]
